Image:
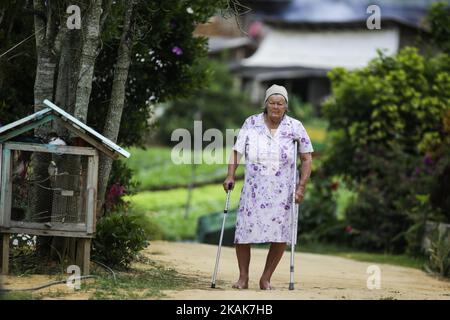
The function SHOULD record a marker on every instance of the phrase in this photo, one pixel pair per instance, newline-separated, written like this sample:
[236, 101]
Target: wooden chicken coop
[48, 185]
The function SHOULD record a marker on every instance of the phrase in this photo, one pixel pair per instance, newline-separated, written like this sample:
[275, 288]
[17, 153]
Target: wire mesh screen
[48, 187]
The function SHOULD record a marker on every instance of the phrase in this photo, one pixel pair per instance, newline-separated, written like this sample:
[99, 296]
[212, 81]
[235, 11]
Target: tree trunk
[89, 51]
[117, 102]
[43, 89]
[67, 46]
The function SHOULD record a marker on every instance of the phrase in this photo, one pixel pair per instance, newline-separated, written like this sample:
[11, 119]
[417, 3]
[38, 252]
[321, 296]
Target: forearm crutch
[294, 212]
[225, 212]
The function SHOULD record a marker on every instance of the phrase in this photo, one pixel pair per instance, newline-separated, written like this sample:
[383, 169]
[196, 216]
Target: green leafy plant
[389, 133]
[299, 109]
[439, 255]
[118, 240]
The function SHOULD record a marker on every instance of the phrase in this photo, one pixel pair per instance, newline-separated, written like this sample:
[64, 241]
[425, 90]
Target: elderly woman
[264, 211]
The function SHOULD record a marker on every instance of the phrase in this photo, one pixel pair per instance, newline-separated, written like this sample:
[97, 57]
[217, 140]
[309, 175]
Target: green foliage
[390, 142]
[376, 226]
[168, 62]
[158, 73]
[220, 105]
[23, 254]
[439, 20]
[119, 238]
[395, 99]
[439, 255]
[17, 68]
[318, 210]
[299, 109]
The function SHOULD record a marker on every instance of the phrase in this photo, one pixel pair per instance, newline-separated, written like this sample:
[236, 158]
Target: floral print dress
[264, 210]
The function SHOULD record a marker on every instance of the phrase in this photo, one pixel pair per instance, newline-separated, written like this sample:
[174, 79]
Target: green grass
[147, 279]
[167, 208]
[402, 260]
[139, 283]
[17, 295]
[154, 169]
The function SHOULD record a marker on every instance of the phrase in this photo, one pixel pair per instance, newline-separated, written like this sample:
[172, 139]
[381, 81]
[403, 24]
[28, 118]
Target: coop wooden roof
[73, 124]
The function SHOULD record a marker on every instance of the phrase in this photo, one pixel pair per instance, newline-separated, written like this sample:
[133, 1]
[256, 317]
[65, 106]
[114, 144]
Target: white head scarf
[276, 89]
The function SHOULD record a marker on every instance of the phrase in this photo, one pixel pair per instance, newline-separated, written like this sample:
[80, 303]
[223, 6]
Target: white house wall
[322, 49]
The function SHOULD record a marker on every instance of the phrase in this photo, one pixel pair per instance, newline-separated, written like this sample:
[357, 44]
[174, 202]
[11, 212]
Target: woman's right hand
[228, 180]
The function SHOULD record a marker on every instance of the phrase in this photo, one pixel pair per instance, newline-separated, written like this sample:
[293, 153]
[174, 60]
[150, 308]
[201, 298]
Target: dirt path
[317, 276]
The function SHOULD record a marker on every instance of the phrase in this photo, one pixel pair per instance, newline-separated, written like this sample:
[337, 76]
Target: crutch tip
[291, 286]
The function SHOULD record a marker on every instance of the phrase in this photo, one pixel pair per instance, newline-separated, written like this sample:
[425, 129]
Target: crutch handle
[230, 185]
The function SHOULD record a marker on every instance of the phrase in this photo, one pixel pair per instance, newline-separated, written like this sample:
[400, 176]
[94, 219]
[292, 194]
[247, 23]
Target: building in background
[297, 42]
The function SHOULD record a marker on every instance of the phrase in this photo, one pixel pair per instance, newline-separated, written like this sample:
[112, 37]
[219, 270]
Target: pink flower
[114, 192]
[428, 160]
[348, 229]
[255, 29]
[177, 50]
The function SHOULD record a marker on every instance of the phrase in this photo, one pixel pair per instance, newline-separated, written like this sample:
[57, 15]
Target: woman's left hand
[299, 194]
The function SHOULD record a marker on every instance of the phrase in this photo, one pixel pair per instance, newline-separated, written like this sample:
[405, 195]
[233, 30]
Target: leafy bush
[299, 109]
[390, 141]
[439, 20]
[376, 225]
[318, 210]
[439, 255]
[23, 254]
[118, 240]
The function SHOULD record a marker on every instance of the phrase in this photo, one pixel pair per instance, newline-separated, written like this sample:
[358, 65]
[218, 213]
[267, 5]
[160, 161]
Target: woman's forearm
[233, 164]
[305, 169]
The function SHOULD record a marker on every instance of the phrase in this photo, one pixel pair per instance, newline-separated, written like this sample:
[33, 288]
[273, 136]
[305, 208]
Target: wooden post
[91, 193]
[84, 254]
[4, 251]
[5, 189]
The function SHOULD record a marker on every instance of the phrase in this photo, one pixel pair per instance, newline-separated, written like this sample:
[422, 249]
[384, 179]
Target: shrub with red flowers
[115, 192]
[121, 183]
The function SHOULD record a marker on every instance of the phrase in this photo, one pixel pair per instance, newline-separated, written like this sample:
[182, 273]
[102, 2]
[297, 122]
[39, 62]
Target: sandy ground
[30, 281]
[316, 276]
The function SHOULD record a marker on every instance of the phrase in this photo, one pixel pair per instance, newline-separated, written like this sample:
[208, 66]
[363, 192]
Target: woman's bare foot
[242, 283]
[265, 285]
